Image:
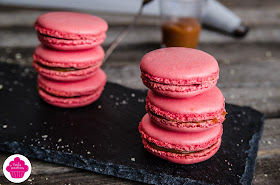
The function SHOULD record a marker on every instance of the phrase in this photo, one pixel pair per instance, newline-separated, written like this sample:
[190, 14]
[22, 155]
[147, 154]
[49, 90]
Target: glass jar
[181, 22]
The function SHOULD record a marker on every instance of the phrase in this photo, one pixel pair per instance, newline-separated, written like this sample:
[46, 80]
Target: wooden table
[249, 76]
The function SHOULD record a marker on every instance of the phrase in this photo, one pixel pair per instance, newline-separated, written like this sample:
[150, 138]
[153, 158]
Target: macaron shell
[179, 140]
[70, 25]
[186, 159]
[66, 59]
[207, 105]
[69, 75]
[179, 63]
[71, 102]
[73, 88]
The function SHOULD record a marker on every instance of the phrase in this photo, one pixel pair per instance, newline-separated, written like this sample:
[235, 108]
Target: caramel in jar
[183, 32]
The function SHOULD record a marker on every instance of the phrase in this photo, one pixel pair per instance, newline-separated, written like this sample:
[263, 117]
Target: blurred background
[249, 66]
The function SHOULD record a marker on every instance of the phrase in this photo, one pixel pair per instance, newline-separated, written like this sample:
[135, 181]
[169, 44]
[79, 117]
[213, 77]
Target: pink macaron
[73, 93]
[195, 114]
[180, 147]
[179, 72]
[70, 30]
[67, 65]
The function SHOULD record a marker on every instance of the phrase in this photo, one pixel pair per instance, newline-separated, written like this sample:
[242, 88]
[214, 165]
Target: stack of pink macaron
[185, 108]
[69, 57]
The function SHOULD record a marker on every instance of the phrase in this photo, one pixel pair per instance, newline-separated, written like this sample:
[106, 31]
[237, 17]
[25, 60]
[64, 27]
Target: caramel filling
[61, 69]
[51, 36]
[215, 120]
[43, 35]
[40, 89]
[178, 85]
[149, 80]
[224, 113]
[172, 150]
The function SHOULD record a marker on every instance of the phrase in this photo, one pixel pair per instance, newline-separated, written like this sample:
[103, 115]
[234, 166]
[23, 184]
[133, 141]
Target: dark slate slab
[104, 138]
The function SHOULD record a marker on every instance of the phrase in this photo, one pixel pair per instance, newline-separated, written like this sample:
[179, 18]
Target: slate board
[103, 137]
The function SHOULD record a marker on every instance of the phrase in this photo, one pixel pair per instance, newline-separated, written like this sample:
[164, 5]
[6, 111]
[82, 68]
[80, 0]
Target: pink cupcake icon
[17, 168]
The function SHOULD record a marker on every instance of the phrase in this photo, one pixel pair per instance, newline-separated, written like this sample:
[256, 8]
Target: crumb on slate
[44, 136]
[124, 102]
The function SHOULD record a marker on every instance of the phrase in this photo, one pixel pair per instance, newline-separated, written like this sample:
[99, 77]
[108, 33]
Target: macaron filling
[71, 42]
[100, 36]
[176, 117]
[61, 69]
[61, 94]
[57, 96]
[188, 155]
[178, 87]
[198, 122]
[187, 147]
[67, 65]
[70, 94]
[71, 102]
[172, 150]
[180, 82]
